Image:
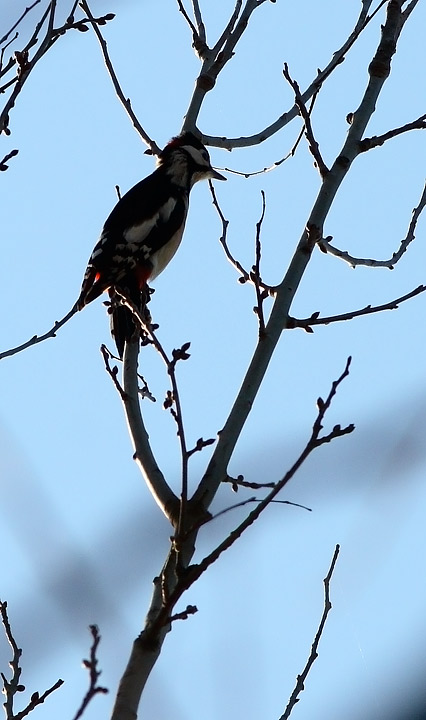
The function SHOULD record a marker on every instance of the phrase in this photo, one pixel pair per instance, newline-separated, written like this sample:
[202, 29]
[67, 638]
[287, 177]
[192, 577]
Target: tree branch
[40, 338]
[326, 247]
[305, 114]
[337, 58]
[379, 70]
[315, 318]
[94, 674]
[301, 679]
[154, 478]
[13, 686]
[117, 87]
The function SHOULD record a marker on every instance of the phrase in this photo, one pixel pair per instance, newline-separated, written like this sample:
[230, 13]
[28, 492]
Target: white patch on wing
[136, 234]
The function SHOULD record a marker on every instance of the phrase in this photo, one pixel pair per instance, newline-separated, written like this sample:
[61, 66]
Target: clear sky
[81, 538]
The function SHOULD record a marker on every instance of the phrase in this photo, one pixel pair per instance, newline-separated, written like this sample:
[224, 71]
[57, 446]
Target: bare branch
[13, 686]
[117, 87]
[26, 11]
[94, 674]
[315, 318]
[245, 276]
[261, 293]
[315, 441]
[40, 338]
[277, 163]
[326, 247]
[229, 28]
[301, 679]
[154, 478]
[337, 58]
[305, 114]
[112, 372]
[198, 38]
[378, 140]
[7, 157]
[215, 62]
[199, 20]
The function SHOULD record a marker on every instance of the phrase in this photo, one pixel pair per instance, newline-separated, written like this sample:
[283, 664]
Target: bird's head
[186, 160]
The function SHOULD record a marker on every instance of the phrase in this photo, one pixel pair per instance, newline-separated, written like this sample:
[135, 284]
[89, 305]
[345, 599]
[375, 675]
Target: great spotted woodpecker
[144, 230]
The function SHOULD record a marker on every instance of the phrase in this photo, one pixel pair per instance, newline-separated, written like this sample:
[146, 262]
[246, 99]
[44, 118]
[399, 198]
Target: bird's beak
[216, 176]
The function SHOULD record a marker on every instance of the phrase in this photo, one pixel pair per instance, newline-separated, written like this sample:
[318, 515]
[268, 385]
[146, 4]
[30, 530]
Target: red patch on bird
[97, 277]
[142, 274]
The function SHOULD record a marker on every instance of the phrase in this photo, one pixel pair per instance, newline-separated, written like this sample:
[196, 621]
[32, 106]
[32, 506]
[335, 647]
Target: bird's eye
[205, 155]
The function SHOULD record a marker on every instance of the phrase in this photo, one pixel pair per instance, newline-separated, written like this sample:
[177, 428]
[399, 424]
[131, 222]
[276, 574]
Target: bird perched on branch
[144, 230]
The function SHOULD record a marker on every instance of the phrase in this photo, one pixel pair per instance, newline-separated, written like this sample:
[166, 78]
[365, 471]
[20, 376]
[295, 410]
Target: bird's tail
[123, 325]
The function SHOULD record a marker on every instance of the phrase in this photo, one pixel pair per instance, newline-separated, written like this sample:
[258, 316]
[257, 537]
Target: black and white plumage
[144, 230]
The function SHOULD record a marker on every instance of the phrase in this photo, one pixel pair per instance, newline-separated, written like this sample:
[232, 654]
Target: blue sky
[81, 537]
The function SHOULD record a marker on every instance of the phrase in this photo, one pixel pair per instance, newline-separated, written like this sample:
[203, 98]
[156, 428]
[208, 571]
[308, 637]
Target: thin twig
[300, 682]
[325, 246]
[112, 372]
[40, 338]
[117, 87]
[378, 140]
[13, 686]
[277, 163]
[245, 276]
[315, 318]
[316, 440]
[26, 11]
[261, 293]
[312, 142]
[94, 674]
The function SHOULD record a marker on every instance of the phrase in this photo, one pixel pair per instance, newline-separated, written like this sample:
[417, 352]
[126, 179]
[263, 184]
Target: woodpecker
[144, 230]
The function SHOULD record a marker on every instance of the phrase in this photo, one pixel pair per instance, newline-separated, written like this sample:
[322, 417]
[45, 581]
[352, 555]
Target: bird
[143, 232]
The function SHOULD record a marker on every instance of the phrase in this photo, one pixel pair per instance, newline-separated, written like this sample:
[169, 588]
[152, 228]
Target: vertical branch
[379, 70]
[261, 294]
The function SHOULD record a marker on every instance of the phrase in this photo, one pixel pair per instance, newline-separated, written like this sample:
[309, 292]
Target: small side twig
[112, 371]
[378, 140]
[245, 276]
[312, 143]
[94, 674]
[261, 293]
[40, 338]
[184, 615]
[300, 682]
[325, 246]
[315, 318]
[3, 165]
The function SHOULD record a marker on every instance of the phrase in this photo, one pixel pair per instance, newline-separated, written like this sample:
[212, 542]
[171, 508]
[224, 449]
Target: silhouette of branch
[13, 686]
[40, 338]
[155, 150]
[301, 679]
[94, 674]
[315, 318]
[325, 246]
[303, 111]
